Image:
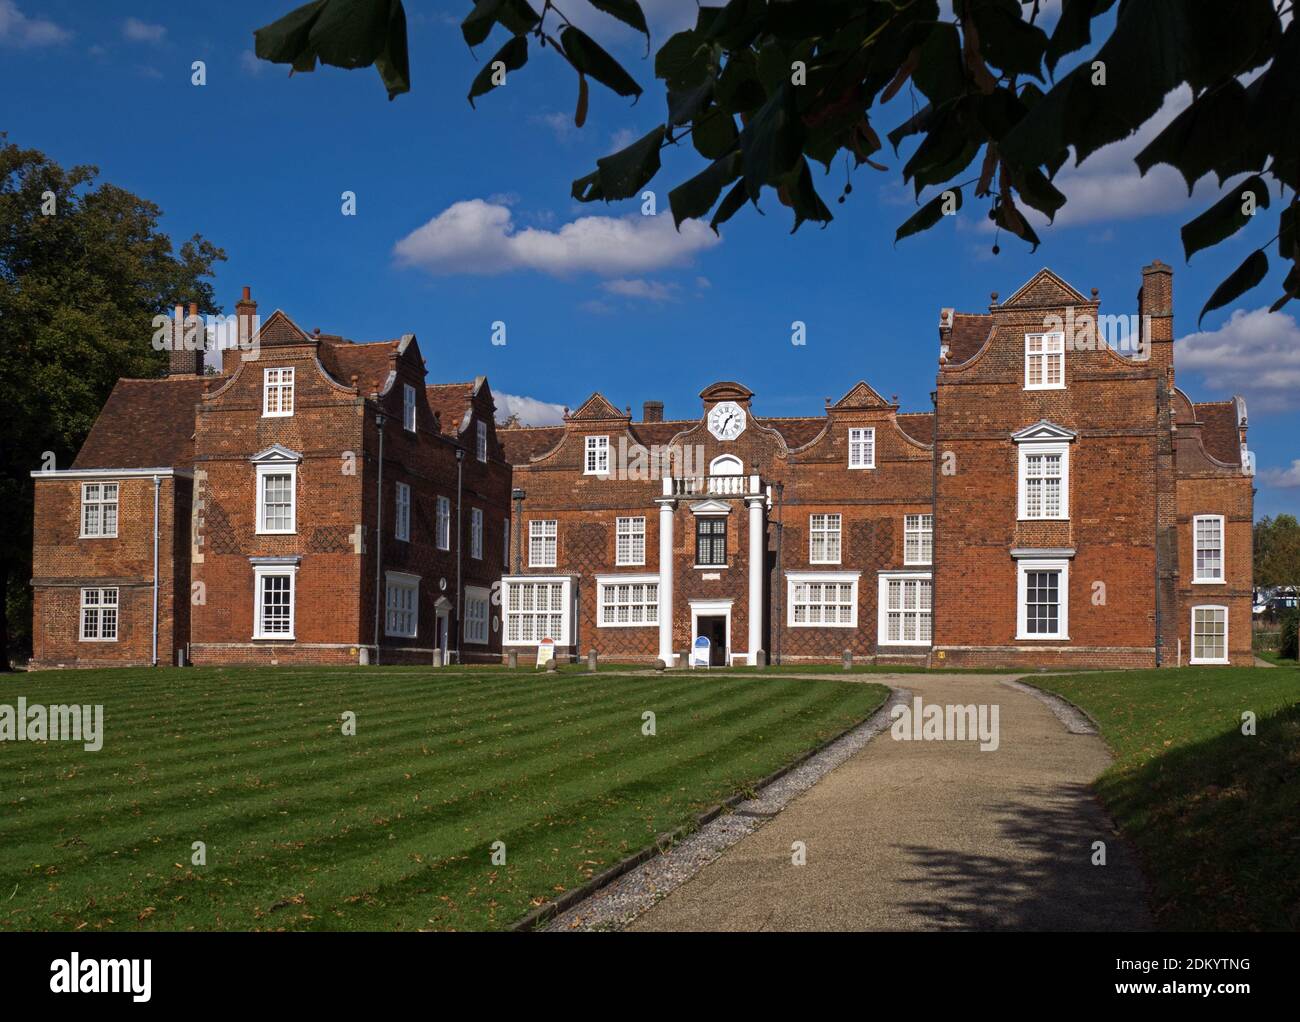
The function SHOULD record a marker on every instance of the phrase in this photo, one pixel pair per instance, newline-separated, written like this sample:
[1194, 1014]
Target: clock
[726, 420]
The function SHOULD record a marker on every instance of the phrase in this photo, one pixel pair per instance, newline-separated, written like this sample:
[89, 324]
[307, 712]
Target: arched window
[726, 465]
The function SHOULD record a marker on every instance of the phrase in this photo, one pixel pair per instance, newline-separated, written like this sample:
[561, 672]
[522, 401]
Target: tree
[763, 87]
[83, 270]
[1277, 551]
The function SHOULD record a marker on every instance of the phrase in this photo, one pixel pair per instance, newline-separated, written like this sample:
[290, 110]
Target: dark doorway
[715, 630]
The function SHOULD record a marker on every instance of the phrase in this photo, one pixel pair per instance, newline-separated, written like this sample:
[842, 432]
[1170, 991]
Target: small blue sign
[700, 655]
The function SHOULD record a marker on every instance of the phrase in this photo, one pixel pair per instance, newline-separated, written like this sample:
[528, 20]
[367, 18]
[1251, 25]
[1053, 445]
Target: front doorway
[714, 628]
[442, 629]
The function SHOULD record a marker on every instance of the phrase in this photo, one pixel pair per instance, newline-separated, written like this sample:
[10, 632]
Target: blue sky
[257, 161]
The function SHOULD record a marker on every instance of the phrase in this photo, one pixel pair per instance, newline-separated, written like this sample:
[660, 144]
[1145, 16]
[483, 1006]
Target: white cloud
[481, 238]
[16, 29]
[143, 31]
[649, 290]
[531, 412]
[1255, 353]
[1281, 478]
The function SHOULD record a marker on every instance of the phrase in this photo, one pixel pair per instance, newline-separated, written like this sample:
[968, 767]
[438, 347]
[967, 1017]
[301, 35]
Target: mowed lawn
[306, 828]
[1214, 813]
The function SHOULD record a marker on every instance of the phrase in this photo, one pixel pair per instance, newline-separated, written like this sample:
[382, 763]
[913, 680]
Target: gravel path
[907, 835]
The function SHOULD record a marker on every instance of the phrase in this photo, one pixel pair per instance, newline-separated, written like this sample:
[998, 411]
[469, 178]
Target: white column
[757, 559]
[666, 509]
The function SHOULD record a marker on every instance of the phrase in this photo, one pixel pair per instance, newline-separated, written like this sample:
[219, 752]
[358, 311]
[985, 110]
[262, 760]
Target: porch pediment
[711, 507]
[276, 454]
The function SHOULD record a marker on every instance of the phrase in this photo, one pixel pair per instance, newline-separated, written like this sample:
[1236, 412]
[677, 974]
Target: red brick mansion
[1062, 503]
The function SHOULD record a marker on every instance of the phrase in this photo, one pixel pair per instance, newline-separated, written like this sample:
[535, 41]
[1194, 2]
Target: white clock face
[727, 420]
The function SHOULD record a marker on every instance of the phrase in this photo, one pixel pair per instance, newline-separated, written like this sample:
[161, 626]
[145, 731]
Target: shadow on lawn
[1052, 885]
[1217, 824]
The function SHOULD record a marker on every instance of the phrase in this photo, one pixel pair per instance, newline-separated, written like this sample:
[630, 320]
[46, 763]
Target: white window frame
[830, 528]
[478, 612]
[794, 579]
[631, 529]
[1023, 568]
[917, 526]
[510, 589]
[277, 468]
[1192, 657]
[595, 458]
[866, 436]
[442, 523]
[543, 542]
[99, 605]
[480, 441]
[476, 533]
[883, 609]
[408, 407]
[101, 504]
[402, 513]
[608, 595]
[397, 582]
[1197, 577]
[1056, 339]
[278, 381]
[261, 571]
[1026, 450]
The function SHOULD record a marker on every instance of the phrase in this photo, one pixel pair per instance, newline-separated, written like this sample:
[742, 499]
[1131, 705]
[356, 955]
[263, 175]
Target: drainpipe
[380, 419]
[778, 624]
[460, 468]
[934, 528]
[157, 486]
[518, 495]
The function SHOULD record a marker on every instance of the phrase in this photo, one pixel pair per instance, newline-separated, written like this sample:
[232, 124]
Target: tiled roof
[969, 332]
[450, 401]
[797, 431]
[918, 425]
[371, 362]
[523, 443]
[145, 424]
[1219, 433]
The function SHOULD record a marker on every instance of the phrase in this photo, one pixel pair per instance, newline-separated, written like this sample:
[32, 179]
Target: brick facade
[1090, 562]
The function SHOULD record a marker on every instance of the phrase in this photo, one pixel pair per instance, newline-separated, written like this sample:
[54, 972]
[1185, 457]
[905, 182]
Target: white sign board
[700, 652]
[545, 652]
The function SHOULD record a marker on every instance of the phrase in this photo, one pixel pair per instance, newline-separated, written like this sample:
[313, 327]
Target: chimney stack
[652, 411]
[245, 315]
[185, 358]
[1156, 316]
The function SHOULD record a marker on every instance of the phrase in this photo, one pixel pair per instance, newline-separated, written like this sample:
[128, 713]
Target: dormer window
[277, 392]
[862, 448]
[1045, 361]
[597, 460]
[481, 440]
[408, 407]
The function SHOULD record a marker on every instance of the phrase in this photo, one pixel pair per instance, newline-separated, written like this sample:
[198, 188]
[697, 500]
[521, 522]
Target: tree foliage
[1277, 551]
[83, 270]
[763, 89]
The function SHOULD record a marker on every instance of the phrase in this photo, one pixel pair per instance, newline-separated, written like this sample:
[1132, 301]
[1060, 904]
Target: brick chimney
[652, 411]
[186, 355]
[245, 315]
[1156, 315]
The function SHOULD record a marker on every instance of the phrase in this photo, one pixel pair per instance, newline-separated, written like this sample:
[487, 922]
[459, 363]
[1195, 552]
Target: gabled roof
[860, 395]
[597, 407]
[1044, 288]
[524, 443]
[145, 424]
[918, 425]
[370, 362]
[280, 329]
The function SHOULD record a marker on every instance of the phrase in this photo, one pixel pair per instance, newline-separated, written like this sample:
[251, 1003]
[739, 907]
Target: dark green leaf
[589, 58]
[802, 197]
[693, 198]
[928, 215]
[682, 62]
[714, 134]
[393, 63]
[513, 55]
[478, 23]
[623, 174]
[1038, 192]
[626, 11]
[1241, 280]
[1005, 214]
[1213, 134]
[285, 41]
[940, 75]
[1073, 28]
[1006, 40]
[772, 142]
[685, 104]
[730, 203]
[1225, 218]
